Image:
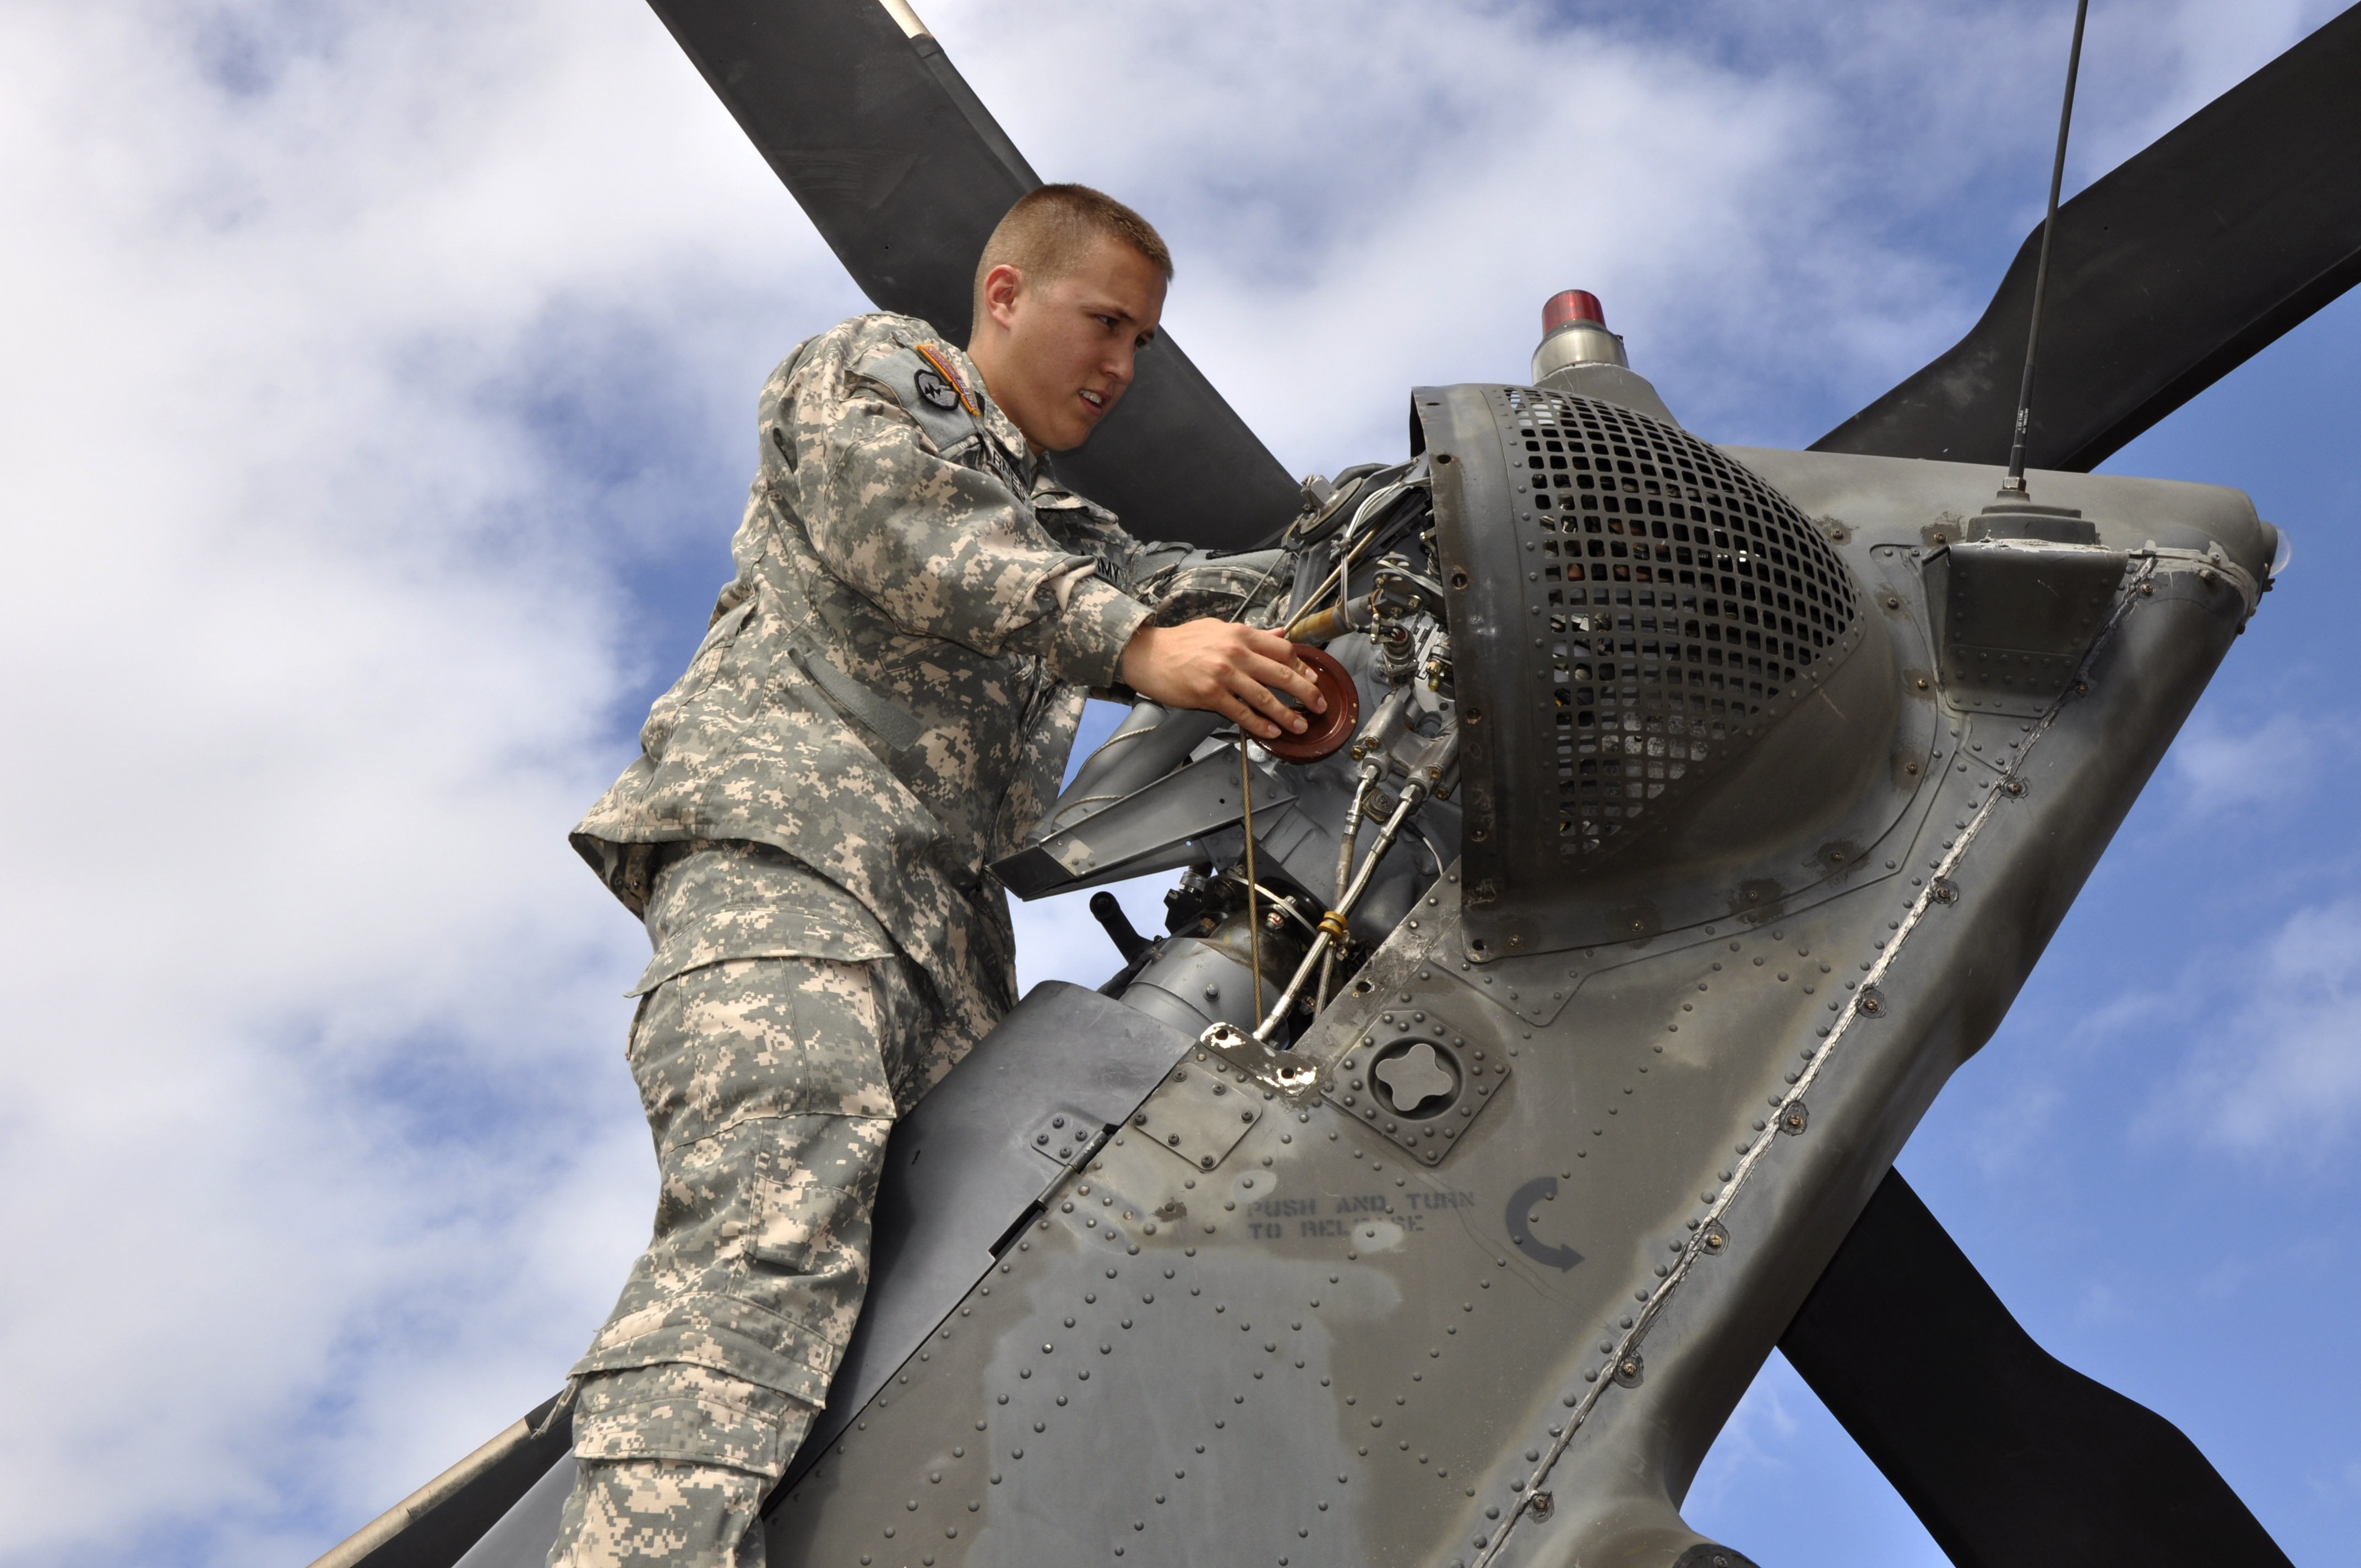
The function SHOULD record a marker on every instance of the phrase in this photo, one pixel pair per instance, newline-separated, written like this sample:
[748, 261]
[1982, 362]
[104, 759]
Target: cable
[2014, 485]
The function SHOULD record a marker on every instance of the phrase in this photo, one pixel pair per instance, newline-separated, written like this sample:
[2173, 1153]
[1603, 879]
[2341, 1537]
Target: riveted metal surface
[1202, 1109]
[1416, 1084]
[1059, 1137]
[1292, 1077]
[965, 1165]
[1434, 1345]
[2015, 617]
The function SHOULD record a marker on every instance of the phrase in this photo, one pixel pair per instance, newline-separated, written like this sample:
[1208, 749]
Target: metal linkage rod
[1332, 924]
[1374, 504]
[2015, 483]
[1253, 911]
[1369, 772]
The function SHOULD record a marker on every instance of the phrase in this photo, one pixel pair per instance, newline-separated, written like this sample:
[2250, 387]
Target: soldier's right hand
[1222, 667]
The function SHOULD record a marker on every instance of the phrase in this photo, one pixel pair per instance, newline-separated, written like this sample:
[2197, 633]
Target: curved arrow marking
[1520, 1223]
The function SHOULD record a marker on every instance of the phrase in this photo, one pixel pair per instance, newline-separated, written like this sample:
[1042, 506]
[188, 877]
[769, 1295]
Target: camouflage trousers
[770, 1085]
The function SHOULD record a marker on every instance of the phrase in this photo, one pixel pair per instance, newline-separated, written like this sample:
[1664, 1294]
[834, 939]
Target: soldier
[881, 707]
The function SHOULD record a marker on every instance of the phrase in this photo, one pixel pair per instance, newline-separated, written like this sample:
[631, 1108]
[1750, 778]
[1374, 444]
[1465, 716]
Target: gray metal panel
[2013, 618]
[961, 1170]
[1151, 742]
[1143, 832]
[962, 1167]
[448, 1518]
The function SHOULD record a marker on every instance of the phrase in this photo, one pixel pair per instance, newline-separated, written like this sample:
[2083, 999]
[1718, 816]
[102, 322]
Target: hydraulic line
[1369, 772]
[1332, 924]
[1368, 509]
[1254, 912]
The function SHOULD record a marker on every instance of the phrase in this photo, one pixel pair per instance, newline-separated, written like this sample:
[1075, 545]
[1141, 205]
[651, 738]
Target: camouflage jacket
[889, 687]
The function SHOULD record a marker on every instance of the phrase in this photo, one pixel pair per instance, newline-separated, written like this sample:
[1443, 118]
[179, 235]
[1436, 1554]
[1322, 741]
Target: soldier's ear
[1002, 288]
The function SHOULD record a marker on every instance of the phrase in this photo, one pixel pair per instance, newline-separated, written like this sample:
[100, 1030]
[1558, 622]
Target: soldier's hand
[1222, 667]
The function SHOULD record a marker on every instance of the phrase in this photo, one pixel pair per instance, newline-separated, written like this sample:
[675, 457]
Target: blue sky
[374, 417]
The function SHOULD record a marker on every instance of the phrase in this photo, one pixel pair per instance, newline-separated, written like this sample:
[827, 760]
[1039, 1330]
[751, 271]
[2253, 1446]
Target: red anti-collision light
[1573, 305]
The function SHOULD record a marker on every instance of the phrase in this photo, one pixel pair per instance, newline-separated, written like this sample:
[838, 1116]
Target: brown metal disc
[1328, 732]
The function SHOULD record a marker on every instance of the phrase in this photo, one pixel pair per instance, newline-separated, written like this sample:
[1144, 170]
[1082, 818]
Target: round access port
[1417, 1079]
[1328, 732]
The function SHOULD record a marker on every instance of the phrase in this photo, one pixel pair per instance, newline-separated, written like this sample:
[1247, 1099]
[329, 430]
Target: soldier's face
[1068, 348]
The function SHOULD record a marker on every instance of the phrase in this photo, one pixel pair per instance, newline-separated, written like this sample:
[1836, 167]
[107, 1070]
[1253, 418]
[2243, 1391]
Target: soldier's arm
[949, 552]
[1223, 667]
[944, 550]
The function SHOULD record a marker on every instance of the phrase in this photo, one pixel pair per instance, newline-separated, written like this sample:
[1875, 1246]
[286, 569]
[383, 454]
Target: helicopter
[1658, 925]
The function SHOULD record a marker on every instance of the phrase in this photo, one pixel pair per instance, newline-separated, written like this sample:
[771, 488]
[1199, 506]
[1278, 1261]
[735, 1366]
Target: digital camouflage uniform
[882, 707]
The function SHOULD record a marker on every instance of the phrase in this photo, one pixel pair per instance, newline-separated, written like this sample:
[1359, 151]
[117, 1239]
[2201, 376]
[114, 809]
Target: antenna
[2014, 486]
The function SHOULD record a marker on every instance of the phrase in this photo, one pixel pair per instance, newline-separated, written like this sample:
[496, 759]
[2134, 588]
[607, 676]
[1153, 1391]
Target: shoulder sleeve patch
[945, 384]
[923, 385]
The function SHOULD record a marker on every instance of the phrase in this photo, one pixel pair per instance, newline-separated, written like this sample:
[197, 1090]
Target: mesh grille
[1683, 597]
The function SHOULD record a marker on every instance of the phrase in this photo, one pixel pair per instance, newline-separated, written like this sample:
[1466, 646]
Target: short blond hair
[1051, 226]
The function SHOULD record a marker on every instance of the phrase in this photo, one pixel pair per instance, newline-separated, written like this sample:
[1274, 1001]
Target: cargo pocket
[803, 1225]
[684, 1413]
[808, 1254]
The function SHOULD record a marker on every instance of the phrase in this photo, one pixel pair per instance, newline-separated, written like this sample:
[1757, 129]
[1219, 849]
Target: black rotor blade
[2165, 276]
[904, 172]
[2010, 1458]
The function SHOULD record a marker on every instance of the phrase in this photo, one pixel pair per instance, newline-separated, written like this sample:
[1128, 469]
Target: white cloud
[2225, 772]
[360, 358]
[325, 1158]
[2279, 1075]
